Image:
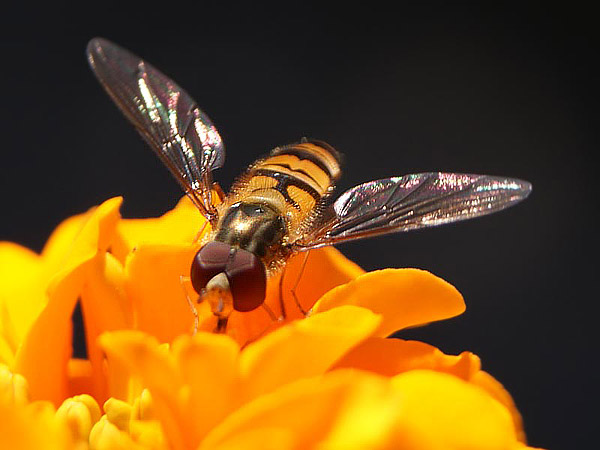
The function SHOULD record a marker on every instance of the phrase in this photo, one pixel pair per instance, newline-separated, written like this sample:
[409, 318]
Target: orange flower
[330, 380]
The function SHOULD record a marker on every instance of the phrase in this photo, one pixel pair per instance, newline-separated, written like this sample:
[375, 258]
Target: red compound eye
[244, 270]
[247, 280]
[210, 260]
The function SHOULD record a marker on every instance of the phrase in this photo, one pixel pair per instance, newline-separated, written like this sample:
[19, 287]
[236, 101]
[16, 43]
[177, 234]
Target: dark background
[508, 90]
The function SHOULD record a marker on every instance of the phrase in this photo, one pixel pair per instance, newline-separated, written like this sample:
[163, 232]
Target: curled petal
[404, 297]
[391, 357]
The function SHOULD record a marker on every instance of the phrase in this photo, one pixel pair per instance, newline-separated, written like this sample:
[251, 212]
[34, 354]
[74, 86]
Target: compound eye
[247, 280]
[210, 260]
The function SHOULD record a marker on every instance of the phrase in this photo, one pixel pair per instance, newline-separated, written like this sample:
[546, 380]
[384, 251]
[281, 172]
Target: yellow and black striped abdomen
[303, 173]
[292, 180]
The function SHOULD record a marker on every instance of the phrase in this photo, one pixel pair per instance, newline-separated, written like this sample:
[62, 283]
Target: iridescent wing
[411, 202]
[179, 132]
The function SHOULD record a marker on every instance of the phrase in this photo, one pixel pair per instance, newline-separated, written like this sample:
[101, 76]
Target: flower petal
[496, 390]
[154, 287]
[179, 226]
[208, 364]
[390, 357]
[304, 348]
[405, 298]
[32, 427]
[94, 235]
[441, 411]
[307, 410]
[105, 308]
[325, 269]
[44, 354]
[264, 438]
[22, 295]
[143, 357]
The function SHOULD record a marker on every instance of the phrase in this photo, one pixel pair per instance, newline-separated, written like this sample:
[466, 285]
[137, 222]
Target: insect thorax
[272, 204]
[254, 226]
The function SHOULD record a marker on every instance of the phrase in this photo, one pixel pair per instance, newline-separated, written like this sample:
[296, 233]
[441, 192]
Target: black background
[508, 90]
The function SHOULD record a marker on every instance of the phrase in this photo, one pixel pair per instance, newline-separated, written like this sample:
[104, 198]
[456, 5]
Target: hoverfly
[282, 204]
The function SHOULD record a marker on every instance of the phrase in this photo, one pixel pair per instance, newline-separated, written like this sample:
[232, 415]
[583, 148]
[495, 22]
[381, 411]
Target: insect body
[282, 204]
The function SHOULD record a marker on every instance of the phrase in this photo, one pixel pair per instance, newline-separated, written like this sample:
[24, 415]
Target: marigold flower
[330, 380]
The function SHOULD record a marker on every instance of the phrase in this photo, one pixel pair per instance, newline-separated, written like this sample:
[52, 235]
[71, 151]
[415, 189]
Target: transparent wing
[410, 202]
[179, 132]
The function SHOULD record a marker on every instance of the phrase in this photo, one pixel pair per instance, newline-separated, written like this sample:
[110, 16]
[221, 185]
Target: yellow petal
[44, 354]
[496, 390]
[208, 364]
[306, 412]
[94, 235]
[179, 226]
[143, 357]
[32, 427]
[304, 348]
[105, 307]
[325, 269]
[22, 287]
[264, 438]
[440, 411]
[404, 297]
[148, 434]
[154, 287]
[390, 357]
[7, 349]
[62, 239]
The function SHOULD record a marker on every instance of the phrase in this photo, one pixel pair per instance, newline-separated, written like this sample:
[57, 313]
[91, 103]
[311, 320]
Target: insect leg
[199, 234]
[293, 290]
[281, 304]
[270, 312]
[183, 279]
[217, 188]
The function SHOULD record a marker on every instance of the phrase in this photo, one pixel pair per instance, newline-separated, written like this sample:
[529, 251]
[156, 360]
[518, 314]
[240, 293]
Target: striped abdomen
[290, 183]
